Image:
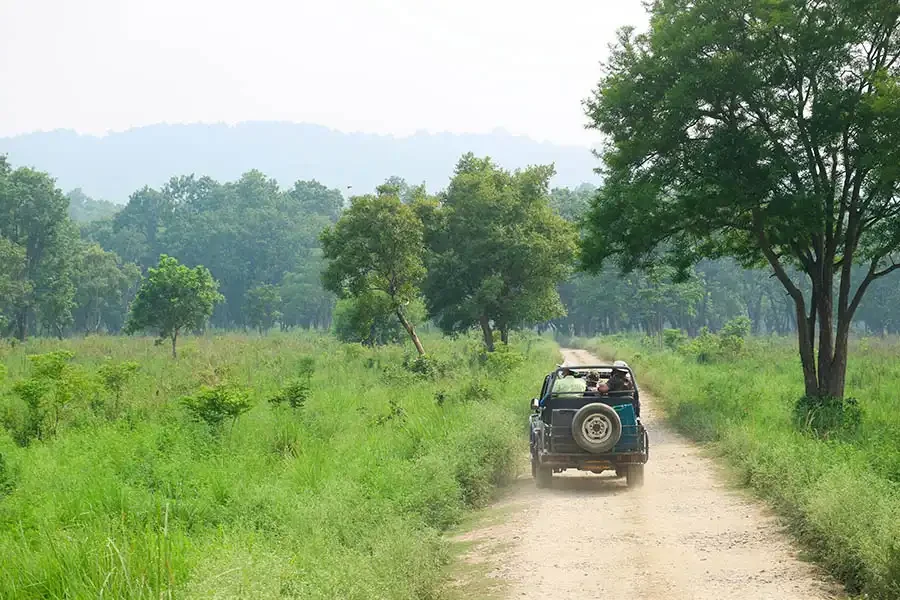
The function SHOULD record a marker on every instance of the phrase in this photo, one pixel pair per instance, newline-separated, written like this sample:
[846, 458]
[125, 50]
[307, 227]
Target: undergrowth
[831, 468]
[281, 466]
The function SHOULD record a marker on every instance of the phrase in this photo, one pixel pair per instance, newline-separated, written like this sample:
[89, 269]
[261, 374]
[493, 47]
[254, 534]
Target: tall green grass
[345, 497]
[841, 495]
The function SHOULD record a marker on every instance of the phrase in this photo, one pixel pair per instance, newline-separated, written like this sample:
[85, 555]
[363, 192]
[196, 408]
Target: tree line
[60, 277]
[73, 265]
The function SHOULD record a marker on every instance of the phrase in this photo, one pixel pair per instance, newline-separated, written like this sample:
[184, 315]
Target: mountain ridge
[113, 165]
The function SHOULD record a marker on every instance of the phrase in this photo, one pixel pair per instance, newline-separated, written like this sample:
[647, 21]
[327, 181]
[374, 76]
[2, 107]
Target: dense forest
[72, 264]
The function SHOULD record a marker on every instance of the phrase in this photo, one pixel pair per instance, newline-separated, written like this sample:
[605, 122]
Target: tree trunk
[488, 334]
[806, 331]
[174, 340]
[504, 334]
[411, 331]
[22, 324]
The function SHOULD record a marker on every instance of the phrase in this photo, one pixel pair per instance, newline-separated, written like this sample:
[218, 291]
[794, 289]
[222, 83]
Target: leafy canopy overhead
[768, 131]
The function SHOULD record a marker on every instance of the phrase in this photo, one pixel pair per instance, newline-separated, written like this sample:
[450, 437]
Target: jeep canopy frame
[581, 371]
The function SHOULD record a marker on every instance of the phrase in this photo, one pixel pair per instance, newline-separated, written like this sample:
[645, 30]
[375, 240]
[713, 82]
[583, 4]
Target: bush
[215, 404]
[6, 477]
[55, 384]
[503, 360]
[738, 327]
[296, 392]
[826, 416]
[705, 347]
[731, 338]
[426, 366]
[114, 376]
[674, 339]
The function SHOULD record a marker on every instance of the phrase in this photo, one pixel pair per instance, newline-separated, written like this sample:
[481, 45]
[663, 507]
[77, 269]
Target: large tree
[377, 246]
[767, 131]
[496, 250]
[34, 219]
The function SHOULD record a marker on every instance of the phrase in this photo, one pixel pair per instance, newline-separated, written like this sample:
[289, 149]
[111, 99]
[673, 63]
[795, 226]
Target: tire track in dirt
[684, 535]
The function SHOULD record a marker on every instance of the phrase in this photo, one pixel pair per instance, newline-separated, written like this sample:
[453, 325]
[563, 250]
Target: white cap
[621, 364]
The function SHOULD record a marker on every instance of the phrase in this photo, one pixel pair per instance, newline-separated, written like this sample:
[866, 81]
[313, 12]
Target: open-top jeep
[588, 417]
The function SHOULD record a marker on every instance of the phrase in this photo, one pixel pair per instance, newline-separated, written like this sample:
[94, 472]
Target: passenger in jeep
[618, 381]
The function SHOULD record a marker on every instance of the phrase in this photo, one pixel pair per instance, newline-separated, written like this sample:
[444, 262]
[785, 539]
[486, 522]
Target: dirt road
[684, 535]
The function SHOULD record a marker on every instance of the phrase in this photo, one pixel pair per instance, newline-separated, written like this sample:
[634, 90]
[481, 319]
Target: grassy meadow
[343, 495]
[840, 492]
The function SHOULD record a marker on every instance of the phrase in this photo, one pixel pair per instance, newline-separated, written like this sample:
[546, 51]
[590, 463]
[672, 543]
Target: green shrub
[705, 347]
[478, 390]
[115, 376]
[294, 394]
[673, 339]
[738, 327]
[215, 404]
[395, 413]
[827, 416]
[6, 477]
[426, 366]
[54, 385]
[503, 360]
[297, 390]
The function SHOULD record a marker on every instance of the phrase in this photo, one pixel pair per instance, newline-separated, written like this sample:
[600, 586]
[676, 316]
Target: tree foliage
[40, 242]
[766, 131]
[262, 307]
[377, 247]
[173, 298]
[496, 250]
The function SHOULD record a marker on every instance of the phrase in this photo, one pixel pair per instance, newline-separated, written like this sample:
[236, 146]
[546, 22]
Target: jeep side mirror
[534, 404]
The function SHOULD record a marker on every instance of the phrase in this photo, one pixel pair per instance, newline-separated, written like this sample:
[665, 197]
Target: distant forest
[72, 264]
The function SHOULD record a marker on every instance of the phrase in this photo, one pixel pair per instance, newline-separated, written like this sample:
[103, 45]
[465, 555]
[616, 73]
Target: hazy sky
[354, 65]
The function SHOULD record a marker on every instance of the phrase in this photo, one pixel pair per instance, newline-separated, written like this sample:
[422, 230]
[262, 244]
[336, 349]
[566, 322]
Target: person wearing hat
[618, 381]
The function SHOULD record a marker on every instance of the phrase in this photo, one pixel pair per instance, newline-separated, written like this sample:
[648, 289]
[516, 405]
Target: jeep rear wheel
[634, 475]
[597, 428]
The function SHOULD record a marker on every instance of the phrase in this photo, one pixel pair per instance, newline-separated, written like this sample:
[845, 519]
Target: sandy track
[684, 535]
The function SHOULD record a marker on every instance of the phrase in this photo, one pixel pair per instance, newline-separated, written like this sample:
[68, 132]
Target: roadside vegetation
[277, 466]
[833, 471]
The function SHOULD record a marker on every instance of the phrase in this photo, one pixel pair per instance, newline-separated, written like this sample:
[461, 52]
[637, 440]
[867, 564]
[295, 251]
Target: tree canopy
[377, 246]
[766, 131]
[173, 298]
[496, 250]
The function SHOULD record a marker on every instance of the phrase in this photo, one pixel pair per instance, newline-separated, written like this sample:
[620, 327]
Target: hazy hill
[115, 165]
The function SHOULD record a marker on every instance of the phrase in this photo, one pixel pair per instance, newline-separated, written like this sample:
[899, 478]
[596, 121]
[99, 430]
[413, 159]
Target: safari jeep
[580, 422]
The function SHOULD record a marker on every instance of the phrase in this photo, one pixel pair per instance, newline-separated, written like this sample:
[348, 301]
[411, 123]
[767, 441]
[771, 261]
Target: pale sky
[376, 66]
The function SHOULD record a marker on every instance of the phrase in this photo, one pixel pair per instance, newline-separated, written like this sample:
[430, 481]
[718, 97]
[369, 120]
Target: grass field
[840, 494]
[345, 496]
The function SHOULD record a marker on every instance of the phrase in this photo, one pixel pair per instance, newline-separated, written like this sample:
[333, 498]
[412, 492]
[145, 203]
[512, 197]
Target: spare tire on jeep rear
[597, 428]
